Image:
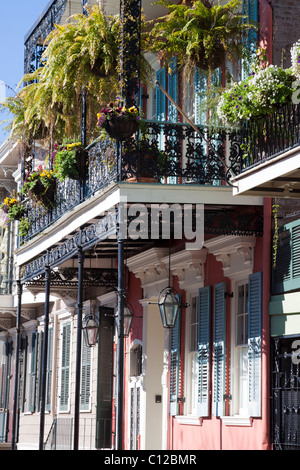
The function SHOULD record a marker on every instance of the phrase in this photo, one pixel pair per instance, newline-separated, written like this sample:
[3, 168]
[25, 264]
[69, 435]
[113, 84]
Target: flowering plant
[258, 95]
[295, 57]
[66, 161]
[13, 207]
[117, 110]
[40, 186]
[39, 177]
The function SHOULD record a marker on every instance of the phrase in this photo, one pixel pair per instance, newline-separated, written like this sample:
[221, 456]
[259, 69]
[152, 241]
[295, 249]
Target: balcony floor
[278, 176]
[94, 208]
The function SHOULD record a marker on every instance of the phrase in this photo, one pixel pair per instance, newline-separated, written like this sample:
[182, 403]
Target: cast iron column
[45, 353]
[17, 350]
[78, 351]
[120, 345]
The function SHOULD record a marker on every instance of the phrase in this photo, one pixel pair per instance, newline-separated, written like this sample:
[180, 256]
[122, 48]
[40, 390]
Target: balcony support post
[45, 353]
[120, 345]
[17, 367]
[78, 349]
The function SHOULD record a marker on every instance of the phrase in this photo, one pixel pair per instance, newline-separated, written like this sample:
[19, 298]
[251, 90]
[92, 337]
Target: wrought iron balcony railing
[267, 137]
[178, 155]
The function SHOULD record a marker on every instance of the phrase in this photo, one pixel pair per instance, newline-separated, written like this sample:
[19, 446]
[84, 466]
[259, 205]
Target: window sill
[237, 421]
[189, 419]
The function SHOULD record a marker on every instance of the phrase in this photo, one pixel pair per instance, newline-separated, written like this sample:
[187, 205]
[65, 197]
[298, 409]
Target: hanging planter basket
[121, 128]
[42, 195]
[213, 61]
[79, 170]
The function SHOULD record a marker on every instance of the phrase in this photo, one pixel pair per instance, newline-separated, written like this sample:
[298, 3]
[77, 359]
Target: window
[198, 355]
[241, 349]
[246, 348]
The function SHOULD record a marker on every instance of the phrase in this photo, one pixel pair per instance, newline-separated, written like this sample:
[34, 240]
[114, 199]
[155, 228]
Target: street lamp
[90, 326]
[128, 317]
[168, 303]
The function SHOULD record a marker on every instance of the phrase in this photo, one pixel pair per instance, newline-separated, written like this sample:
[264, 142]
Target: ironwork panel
[286, 393]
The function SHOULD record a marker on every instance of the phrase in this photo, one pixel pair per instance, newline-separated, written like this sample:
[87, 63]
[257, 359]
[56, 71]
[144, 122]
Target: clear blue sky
[16, 18]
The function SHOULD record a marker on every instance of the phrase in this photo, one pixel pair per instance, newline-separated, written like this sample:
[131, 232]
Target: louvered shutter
[203, 351]
[173, 89]
[175, 366]
[254, 343]
[250, 9]
[160, 104]
[219, 349]
[286, 274]
[200, 96]
[49, 369]
[85, 394]
[105, 378]
[33, 372]
[65, 368]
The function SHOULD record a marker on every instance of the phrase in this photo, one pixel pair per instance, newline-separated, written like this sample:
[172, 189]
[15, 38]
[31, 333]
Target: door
[286, 393]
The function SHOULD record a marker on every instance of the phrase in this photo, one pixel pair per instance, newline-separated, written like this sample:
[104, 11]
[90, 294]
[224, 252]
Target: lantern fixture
[128, 317]
[90, 326]
[169, 304]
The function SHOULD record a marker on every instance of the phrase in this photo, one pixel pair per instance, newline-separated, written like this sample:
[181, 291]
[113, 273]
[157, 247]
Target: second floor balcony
[269, 164]
[174, 156]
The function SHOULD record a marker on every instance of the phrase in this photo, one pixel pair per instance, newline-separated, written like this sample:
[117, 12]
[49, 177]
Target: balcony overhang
[98, 206]
[278, 176]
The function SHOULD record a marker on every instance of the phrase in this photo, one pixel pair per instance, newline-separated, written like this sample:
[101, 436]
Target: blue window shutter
[254, 343]
[160, 106]
[219, 349]
[250, 9]
[203, 351]
[174, 366]
[173, 89]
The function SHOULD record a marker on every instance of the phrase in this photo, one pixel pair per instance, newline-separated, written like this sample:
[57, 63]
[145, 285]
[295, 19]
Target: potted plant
[40, 186]
[199, 33]
[119, 121]
[69, 161]
[144, 161]
[13, 207]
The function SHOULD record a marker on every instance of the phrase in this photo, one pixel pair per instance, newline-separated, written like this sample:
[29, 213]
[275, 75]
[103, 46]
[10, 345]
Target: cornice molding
[236, 253]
